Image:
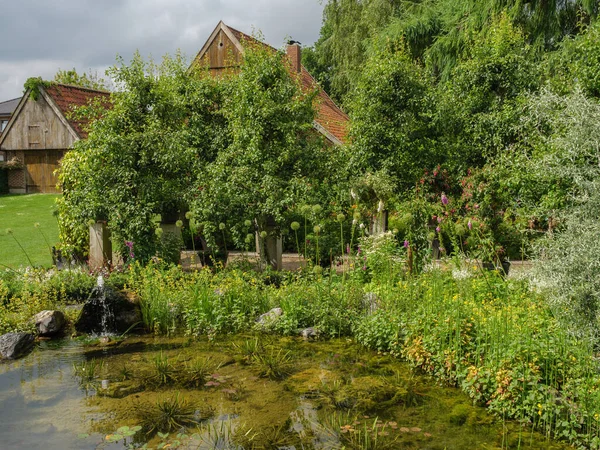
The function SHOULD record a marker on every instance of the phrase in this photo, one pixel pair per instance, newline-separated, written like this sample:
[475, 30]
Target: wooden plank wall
[222, 54]
[37, 127]
[40, 166]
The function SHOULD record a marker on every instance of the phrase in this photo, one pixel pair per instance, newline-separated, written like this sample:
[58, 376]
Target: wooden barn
[223, 52]
[40, 132]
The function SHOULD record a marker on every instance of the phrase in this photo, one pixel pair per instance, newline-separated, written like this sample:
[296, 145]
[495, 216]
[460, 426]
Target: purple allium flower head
[406, 243]
[444, 199]
[129, 245]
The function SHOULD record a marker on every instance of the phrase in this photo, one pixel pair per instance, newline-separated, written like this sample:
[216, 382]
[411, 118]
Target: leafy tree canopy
[142, 154]
[274, 160]
[86, 80]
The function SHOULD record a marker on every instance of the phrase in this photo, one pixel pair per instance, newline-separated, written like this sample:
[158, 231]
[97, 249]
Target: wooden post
[100, 246]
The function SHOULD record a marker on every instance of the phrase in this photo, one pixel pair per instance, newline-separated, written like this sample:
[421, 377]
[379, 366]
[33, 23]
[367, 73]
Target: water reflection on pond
[239, 392]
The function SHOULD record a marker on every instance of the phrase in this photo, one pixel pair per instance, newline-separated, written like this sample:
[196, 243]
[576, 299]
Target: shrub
[379, 331]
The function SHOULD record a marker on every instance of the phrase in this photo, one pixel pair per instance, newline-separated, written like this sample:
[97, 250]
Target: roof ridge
[323, 91]
[81, 88]
[11, 100]
[249, 37]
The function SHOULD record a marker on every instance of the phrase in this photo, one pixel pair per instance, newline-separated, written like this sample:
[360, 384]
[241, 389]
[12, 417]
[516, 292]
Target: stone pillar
[171, 228]
[272, 250]
[379, 223]
[100, 246]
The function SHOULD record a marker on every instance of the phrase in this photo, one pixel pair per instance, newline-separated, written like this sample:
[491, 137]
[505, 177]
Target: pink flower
[406, 244]
[437, 229]
[129, 244]
[439, 220]
[444, 199]
[470, 225]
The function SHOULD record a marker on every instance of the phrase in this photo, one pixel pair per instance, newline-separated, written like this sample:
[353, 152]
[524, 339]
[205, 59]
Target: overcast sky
[38, 37]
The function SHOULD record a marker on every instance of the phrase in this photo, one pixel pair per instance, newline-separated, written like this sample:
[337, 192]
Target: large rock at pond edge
[15, 345]
[309, 333]
[108, 311]
[49, 323]
[269, 318]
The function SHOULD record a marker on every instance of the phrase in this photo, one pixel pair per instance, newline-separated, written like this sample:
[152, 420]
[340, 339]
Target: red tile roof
[68, 97]
[329, 115]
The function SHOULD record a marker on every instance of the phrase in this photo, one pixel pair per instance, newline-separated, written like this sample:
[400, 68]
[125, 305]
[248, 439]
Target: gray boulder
[269, 318]
[309, 333]
[15, 345]
[49, 323]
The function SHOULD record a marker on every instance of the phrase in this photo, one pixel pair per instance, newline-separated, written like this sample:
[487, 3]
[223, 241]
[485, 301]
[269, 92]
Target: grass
[20, 213]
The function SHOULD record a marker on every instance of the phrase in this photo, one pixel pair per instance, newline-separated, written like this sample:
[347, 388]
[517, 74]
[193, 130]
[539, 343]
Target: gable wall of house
[37, 127]
[222, 55]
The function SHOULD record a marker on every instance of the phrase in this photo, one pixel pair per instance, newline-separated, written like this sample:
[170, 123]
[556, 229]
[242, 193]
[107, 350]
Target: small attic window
[3, 124]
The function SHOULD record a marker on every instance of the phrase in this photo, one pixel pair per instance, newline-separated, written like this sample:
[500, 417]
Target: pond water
[241, 392]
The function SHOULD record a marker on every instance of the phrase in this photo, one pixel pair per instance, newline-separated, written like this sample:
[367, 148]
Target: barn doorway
[39, 170]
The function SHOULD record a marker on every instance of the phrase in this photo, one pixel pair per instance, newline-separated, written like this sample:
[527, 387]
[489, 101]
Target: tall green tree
[479, 107]
[437, 32]
[274, 159]
[390, 118]
[340, 52]
[141, 154]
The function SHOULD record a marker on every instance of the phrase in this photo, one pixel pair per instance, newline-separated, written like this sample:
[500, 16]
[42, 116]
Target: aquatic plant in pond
[163, 371]
[88, 371]
[170, 414]
[196, 372]
[363, 433]
[245, 351]
[273, 363]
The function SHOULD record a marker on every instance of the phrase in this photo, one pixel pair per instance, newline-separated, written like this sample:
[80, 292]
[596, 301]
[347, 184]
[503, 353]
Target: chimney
[295, 56]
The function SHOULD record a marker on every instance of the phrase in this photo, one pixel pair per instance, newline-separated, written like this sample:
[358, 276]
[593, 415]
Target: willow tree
[437, 32]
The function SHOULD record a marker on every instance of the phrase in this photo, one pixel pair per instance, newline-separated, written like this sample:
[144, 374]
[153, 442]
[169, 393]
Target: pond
[239, 392]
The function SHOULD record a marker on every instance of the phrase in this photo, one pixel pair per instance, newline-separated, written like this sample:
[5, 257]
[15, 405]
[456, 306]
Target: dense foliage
[86, 80]
[140, 155]
[175, 145]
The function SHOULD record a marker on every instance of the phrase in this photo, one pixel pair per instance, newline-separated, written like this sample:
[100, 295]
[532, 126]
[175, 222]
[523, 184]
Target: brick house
[223, 52]
[40, 132]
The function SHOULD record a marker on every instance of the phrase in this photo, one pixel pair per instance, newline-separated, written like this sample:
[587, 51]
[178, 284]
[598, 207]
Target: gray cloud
[39, 37]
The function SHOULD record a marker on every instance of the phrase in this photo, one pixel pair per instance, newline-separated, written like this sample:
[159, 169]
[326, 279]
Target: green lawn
[20, 213]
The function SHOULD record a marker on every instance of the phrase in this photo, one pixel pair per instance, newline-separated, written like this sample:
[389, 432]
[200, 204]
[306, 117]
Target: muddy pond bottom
[241, 392]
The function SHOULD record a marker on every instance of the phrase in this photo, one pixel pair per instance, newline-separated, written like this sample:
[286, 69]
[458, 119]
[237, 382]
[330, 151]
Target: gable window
[3, 124]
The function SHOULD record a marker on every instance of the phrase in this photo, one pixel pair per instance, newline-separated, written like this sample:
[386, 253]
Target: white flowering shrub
[567, 270]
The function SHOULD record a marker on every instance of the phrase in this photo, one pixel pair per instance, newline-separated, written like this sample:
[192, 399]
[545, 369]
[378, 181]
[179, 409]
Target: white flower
[380, 207]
